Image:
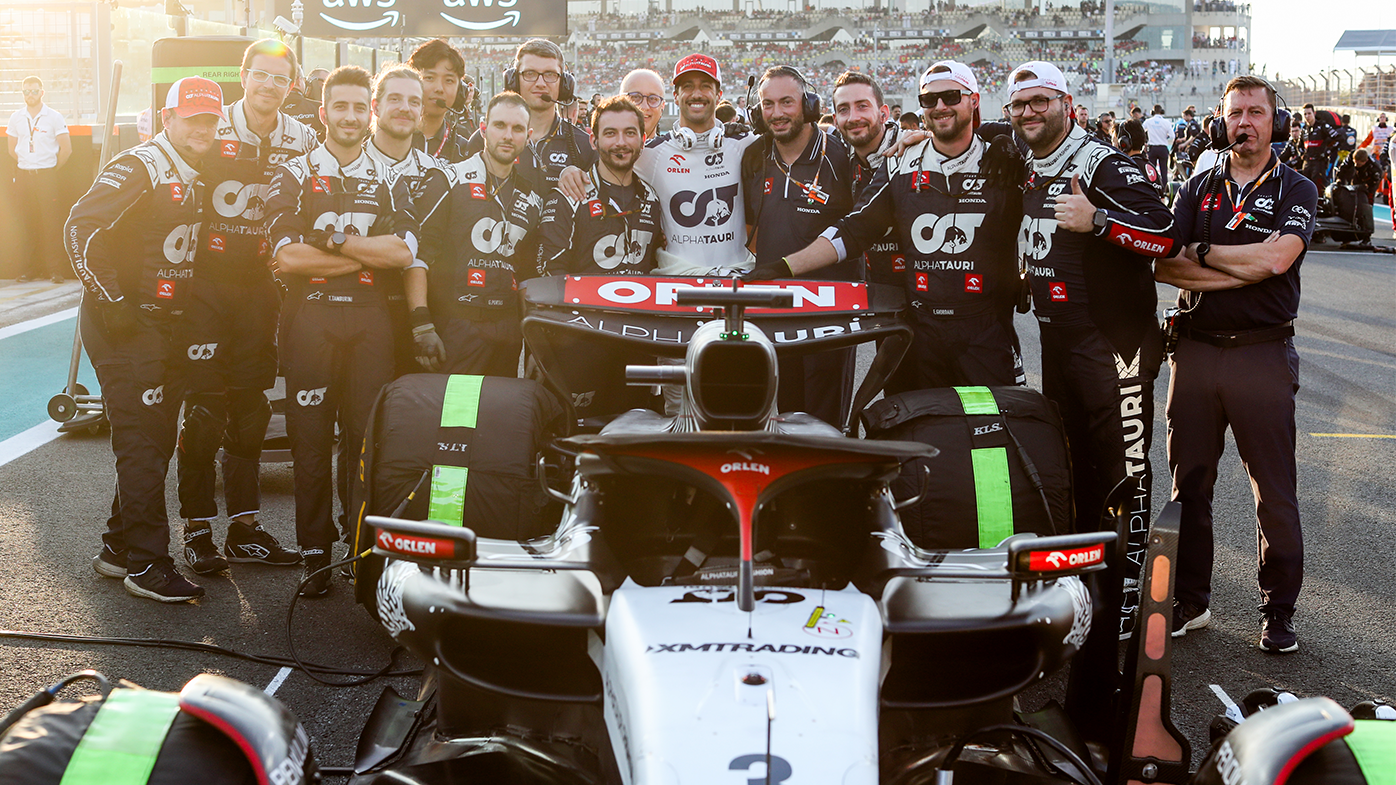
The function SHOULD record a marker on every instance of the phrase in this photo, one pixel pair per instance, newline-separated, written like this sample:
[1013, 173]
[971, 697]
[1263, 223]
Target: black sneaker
[163, 583]
[255, 544]
[201, 553]
[1187, 616]
[1277, 633]
[316, 580]
[109, 563]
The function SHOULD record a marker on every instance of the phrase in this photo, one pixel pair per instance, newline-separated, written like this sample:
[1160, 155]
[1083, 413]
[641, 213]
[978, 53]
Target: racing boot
[316, 581]
[252, 543]
[199, 550]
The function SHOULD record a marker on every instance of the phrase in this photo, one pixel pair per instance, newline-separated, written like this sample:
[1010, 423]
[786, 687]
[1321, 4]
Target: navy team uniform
[1094, 297]
[790, 206]
[229, 334]
[337, 344]
[131, 241]
[958, 264]
[615, 230]
[472, 275]
[1236, 366]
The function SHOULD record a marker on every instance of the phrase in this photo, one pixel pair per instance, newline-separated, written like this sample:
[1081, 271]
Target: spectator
[40, 145]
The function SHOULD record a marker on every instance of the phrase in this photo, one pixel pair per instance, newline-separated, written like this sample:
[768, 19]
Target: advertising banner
[428, 18]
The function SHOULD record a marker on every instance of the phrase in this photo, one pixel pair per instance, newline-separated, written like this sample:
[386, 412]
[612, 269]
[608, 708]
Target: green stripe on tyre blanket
[1373, 744]
[124, 739]
[460, 408]
[993, 493]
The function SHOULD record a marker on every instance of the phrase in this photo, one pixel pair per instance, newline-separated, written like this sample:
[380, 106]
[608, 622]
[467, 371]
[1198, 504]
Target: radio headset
[566, 88]
[809, 102]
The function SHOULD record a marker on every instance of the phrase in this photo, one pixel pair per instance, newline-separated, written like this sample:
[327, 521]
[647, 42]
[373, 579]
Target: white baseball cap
[958, 73]
[1045, 75]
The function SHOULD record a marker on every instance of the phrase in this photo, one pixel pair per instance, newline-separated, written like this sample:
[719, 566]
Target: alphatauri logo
[202, 351]
[153, 397]
[313, 397]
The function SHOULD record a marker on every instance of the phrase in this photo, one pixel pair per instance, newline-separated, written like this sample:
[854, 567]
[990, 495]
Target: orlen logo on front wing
[1049, 561]
[409, 545]
[659, 294]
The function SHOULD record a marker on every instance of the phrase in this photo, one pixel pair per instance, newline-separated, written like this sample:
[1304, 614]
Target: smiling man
[422, 182]
[444, 133]
[339, 238]
[131, 239]
[229, 334]
[1091, 225]
[1246, 231]
[645, 89]
[866, 124]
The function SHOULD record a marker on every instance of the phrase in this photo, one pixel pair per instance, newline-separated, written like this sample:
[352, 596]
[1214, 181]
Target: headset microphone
[440, 103]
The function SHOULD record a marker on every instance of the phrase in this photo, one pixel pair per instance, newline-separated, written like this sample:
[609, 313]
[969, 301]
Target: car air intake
[734, 383]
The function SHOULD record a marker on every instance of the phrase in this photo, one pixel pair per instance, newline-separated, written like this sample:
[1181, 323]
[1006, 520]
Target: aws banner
[426, 18]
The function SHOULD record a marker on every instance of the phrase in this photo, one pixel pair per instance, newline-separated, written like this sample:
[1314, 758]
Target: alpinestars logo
[1035, 237]
[313, 397]
[709, 208]
[202, 351]
[951, 234]
[153, 397]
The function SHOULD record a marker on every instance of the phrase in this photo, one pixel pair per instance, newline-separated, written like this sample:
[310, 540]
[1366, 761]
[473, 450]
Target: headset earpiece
[511, 80]
[566, 89]
[1279, 123]
[809, 101]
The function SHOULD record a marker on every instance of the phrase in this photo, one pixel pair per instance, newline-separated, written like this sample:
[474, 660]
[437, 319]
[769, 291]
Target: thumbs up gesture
[1074, 210]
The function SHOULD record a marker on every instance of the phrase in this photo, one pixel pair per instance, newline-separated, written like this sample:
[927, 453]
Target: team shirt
[1278, 201]
[791, 204]
[36, 136]
[700, 197]
[954, 230]
[423, 181]
[562, 146]
[613, 231]
[314, 196]
[237, 174]
[1103, 277]
[132, 236]
[486, 229]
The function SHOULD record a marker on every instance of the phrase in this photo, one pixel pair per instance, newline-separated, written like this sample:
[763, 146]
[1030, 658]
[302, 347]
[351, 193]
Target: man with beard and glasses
[614, 231]
[799, 181]
[422, 182]
[1091, 226]
[490, 218]
[229, 332]
[131, 240]
[645, 89]
[864, 122]
[539, 76]
[444, 132]
[339, 238]
[955, 225]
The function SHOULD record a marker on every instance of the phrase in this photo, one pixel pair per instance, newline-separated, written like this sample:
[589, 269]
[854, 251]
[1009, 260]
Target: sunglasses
[641, 99]
[949, 97]
[32, 91]
[260, 76]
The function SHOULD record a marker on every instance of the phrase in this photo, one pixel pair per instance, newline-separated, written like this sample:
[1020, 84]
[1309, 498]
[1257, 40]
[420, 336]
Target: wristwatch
[1202, 250]
[337, 241]
[1100, 219]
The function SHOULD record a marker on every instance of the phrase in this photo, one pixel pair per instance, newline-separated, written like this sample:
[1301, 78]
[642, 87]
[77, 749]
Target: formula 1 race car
[729, 594]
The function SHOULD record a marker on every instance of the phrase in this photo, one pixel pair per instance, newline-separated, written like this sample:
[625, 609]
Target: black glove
[1003, 165]
[318, 238]
[118, 319]
[735, 130]
[770, 272]
[431, 352]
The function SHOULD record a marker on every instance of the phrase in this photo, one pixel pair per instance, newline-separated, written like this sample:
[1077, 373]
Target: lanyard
[810, 189]
[446, 130]
[33, 126]
[1238, 202]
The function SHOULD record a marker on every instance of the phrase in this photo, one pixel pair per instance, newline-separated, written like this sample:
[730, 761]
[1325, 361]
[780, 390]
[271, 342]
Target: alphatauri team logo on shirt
[950, 234]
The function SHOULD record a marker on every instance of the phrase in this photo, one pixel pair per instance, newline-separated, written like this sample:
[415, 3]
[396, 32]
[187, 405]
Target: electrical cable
[308, 668]
[365, 678]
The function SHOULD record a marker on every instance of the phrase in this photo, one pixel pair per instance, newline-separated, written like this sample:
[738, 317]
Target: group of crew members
[233, 245]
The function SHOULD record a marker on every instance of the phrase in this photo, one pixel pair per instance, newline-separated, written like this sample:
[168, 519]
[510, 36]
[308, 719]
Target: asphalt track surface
[54, 497]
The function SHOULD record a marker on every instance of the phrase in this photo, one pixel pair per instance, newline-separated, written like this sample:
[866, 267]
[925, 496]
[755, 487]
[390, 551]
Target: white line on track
[22, 443]
[277, 681]
[34, 324]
